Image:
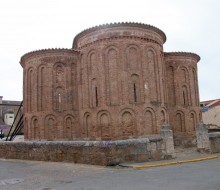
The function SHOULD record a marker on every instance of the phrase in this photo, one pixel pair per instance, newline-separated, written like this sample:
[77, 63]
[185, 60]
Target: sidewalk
[183, 155]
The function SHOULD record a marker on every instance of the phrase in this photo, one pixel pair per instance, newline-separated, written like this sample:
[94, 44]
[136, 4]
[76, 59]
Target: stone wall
[207, 142]
[87, 152]
[202, 138]
[214, 139]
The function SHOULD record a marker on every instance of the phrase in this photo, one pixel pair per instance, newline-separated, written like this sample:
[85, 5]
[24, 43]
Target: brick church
[116, 82]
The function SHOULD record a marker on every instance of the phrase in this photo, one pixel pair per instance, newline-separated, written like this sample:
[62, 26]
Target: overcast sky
[27, 25]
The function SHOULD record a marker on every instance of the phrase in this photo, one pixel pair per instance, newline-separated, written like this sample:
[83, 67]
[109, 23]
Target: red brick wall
[113, 86]
[182, 85]
[50, 94]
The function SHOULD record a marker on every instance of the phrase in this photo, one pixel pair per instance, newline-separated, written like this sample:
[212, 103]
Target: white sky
[27, 25]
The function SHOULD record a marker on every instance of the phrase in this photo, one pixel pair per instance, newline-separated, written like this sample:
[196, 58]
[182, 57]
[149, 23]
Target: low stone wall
[87, 152]
[207, 142]
[214, 139]
[184, 140]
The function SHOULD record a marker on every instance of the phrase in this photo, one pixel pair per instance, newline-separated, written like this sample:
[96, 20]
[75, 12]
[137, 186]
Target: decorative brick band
[183, 54]
[46, 51]
[119, 37]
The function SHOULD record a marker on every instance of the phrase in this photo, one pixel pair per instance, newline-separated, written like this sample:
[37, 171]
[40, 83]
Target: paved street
[30, 175]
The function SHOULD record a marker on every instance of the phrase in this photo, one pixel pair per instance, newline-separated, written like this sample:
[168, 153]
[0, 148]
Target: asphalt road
[30, 175]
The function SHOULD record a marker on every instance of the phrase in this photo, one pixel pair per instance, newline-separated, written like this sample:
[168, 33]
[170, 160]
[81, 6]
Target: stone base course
[87, 152]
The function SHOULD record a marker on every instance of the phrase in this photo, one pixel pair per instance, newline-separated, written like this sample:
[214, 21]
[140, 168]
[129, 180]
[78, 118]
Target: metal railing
[17, 125]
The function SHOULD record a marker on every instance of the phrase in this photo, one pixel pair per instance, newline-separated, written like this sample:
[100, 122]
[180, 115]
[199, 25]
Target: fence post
[167, 135]
[202, 138]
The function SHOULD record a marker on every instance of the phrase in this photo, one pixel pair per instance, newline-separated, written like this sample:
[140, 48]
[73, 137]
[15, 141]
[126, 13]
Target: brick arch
[84, 81]
[179, 121]
[50, 124]
[59, 63]
[58, 99]
[59, 86]
[127, 122]
[133, 56]
[149, 121]
[195, 87]
[104, 122]
[193, 120]
[93, 78]
[171, 85]
[163, 116]
[94, 93]
[87, 124]
[26, 128]
[69, 127]
[111, 75]
[184, 82]
[153, 78]
[41, 87]
[111, 47]
[35, 128]
[92, 62]
[185, 95]
[30, 89]
[59, 72]
[184, 74]
[73, 96]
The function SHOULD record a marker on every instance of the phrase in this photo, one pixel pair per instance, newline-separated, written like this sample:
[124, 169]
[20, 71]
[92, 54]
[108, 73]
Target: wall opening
[135, 93]
[134, 88]
[96, 97]
[184, 98]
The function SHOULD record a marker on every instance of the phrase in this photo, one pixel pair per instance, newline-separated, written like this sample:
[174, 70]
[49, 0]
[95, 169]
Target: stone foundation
[87, 152]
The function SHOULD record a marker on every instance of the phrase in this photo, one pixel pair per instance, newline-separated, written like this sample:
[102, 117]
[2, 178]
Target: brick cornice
[183, 54]
[112, 25]
[42, 52]
[119, 37]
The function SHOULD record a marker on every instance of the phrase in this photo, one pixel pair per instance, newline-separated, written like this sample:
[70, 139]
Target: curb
[177, 162]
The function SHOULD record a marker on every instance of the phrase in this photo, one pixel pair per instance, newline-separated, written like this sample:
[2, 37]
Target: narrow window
[184, 98]
[59, 102]
[96, 97]
[135, 93]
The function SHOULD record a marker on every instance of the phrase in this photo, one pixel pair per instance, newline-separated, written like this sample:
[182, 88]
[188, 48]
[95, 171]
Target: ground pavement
[34, 175]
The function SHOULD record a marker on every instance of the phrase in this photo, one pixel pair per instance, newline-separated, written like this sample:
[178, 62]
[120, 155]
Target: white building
[9, 118]
[211, 114]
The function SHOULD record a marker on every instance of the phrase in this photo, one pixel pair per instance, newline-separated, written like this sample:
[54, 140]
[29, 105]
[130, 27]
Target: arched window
[185, 99]
[41, 88]
[152, 71]
[149, 127]
[111, 67]
[87, 124]
[179, 122]
[171, 86]
[30, 83]
[58, 99]
[95, 93]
